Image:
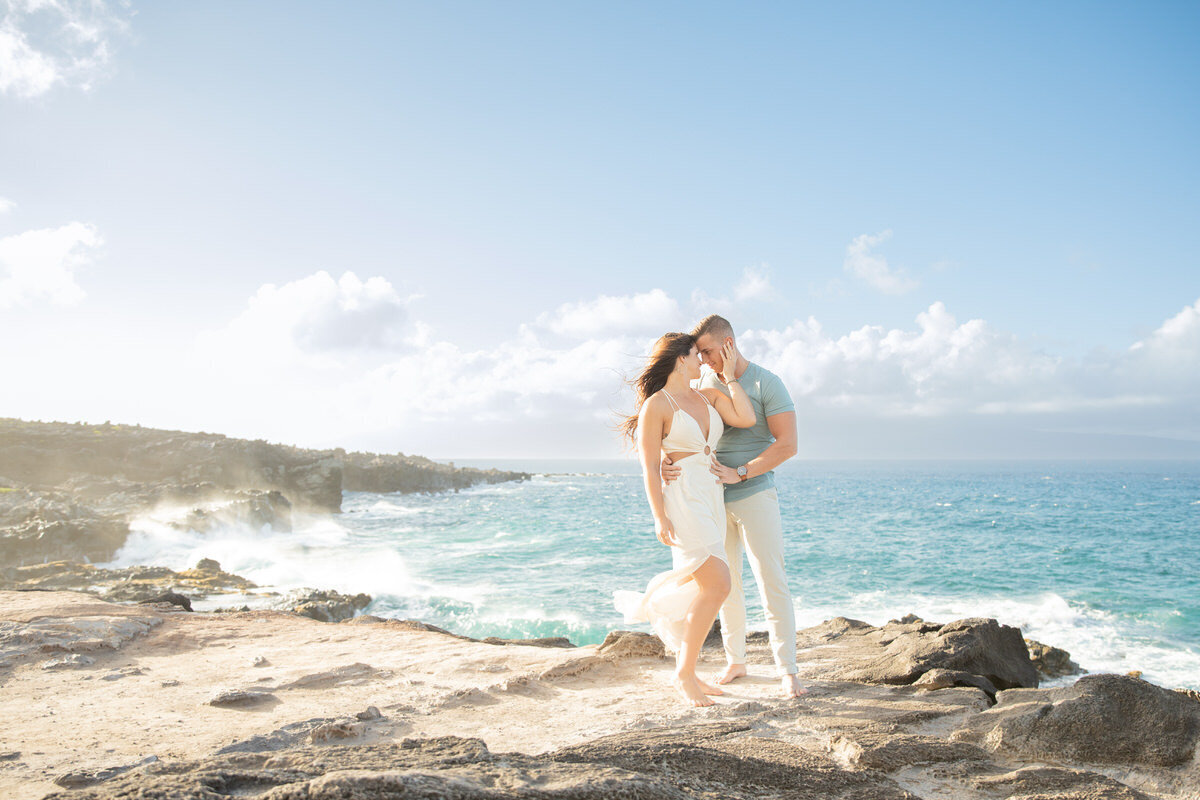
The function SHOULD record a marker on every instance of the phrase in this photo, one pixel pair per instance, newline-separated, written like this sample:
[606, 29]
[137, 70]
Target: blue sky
[487, 170]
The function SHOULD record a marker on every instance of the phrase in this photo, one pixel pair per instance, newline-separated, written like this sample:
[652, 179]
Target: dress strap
[702, 394]
[672, 399]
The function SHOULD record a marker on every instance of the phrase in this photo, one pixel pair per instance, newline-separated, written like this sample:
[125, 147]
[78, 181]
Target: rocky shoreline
[131, 682]
[69, 490]
[102, 699]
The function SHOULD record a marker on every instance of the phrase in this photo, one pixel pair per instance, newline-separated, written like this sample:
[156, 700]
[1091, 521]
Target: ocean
[1099, 558]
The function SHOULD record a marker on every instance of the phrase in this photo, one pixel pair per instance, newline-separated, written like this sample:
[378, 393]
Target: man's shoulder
[763, 373]
[765, 376]
[776, 399]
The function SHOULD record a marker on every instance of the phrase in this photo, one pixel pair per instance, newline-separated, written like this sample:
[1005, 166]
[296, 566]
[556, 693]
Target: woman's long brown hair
[660, 364]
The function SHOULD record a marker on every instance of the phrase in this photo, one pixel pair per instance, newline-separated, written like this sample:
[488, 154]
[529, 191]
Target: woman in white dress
[689, 513]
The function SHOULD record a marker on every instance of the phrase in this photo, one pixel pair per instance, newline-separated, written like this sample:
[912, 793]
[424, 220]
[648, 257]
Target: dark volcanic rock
[900, 653]
[718, 760]
[945, 678]
[171, 598]
[1052, 662]
[326, 606]
[1102, 719]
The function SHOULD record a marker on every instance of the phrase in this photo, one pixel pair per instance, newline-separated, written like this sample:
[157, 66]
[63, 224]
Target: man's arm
[783, 428]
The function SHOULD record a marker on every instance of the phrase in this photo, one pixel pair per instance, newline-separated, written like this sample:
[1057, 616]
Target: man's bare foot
[689, 687]
[733, 671]
[792, 686]
[708, 688]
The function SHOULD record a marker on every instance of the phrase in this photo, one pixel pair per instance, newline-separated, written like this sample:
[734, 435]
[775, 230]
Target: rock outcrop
[1101, 719]
[959, 653]
[35, 526]
[128, 584]
[324, 605]
[1052, 662]
[371, 472]
[68, 491]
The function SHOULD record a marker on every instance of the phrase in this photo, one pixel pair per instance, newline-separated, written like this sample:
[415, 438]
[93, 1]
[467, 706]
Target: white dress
[695, 504]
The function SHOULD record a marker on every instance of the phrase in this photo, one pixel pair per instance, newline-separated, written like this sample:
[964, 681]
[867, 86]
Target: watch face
[741, 471]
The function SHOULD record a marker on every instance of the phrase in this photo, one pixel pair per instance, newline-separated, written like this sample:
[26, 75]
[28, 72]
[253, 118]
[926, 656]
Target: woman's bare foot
[792, 686]
[708, 688]
[733, 671]
[689, 687]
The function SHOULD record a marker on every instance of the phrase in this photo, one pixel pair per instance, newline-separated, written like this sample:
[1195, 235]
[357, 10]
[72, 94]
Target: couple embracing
[707, 457]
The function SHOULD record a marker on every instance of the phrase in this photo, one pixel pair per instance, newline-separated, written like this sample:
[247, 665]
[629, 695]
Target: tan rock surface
[149, 695]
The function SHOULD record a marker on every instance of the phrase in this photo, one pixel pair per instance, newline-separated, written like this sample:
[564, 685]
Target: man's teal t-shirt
[736, 446]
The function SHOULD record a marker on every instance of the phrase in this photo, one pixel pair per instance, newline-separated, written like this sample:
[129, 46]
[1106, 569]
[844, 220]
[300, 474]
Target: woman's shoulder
[657, 402]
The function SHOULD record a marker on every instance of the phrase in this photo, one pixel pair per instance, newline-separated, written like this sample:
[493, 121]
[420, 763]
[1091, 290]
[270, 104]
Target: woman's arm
[735, 410]
[651, 422]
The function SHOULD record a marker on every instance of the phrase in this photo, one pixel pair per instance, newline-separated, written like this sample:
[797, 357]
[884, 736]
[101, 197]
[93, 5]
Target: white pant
[754, 522]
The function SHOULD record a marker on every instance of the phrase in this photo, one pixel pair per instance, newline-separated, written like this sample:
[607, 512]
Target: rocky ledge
[104, 700]
[68, 491]
[166, 587]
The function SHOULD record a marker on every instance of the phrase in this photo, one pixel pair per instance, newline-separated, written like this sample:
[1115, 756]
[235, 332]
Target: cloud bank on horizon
[330, 361]
[566, 370]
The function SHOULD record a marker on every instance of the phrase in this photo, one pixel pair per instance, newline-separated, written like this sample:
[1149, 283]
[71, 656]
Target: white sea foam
[1097, 641]
[387, 508]
[317, 553]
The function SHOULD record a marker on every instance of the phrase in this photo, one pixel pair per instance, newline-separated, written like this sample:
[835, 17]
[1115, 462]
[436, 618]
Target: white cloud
[873, 268]
[6, 205]
[320, 317]
[941, 366]
[754, 285]
[652, 311]
[1176, 339]
[46, 43]
[40, 264]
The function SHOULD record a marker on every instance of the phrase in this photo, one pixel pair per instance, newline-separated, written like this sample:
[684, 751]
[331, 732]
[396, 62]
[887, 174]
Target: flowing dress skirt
[695, 504]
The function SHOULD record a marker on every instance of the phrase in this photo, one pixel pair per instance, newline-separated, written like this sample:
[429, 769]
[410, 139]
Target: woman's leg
[712, 579]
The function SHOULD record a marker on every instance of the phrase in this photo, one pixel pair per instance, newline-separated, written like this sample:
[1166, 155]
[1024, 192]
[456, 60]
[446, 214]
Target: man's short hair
[713, 325]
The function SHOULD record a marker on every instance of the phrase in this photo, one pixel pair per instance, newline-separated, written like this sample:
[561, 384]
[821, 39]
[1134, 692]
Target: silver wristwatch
[741, 471]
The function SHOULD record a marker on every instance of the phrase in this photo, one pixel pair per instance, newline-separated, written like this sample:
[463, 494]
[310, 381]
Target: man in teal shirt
[746, 460]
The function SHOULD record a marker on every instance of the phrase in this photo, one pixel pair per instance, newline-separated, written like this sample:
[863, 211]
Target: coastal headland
[69, 490]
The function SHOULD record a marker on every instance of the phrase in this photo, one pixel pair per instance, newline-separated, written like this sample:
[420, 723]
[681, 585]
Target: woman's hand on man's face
[728, 360]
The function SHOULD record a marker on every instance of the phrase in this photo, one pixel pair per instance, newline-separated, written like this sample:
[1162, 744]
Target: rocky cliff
[67, 490]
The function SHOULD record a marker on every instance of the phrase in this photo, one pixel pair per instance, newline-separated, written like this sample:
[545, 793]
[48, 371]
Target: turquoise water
[1098, 558]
